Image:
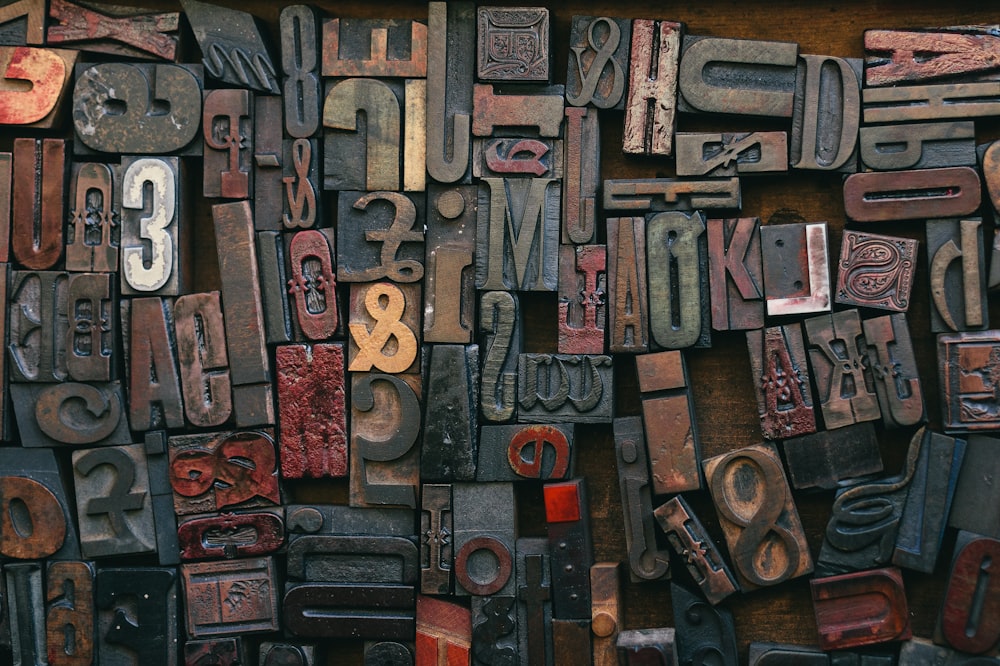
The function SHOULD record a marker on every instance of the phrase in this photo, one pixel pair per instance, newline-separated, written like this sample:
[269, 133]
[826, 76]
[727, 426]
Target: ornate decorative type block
[968, 370]
[513, 44]
[582, 303]
[224, 598]
[311, 285]
[436, 531]
[231, 535]
[863, 608]
[876, 271]
[94, 232]
[233, 50]
[781, 381]
[301, 202]
[554, 388]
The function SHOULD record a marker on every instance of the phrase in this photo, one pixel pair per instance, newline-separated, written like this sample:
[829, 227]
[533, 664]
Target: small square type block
[876, 271]
[513, 44]
[969, 373]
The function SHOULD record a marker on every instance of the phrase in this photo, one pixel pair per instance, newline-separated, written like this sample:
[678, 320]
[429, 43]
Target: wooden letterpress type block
[735, 273]
[154, 388]
[556, 388]
[918, 145]
[976, 497]
[113, 501]
[534, 600]
[267, 148]
[367, 160]
[945, 53]
[525, 452]
[116, 31]
[451, 46]
[796, 268]
[223, 598]
[958, 288]
[838, 358]
[607, 611]
[312, 410]
[638, 647]
[26, 606]
[302, 196]
[826, 115]
[599, 62]
[325, 519]
[504, 157]
[374, 48]
[312, 286]
[669, 423]
[651, 104]
[776, 654]
[917, 651]
[387, 652]
[824, 459]
[299, 27]
[968, 364]
[500, 327]
[90, 338]
[928, 502]
[117, 109]
[6, 193]
[202, 358]
[215, 471]
[738, 76]
[731, 153]
[567, 521]
[436, 552]
[219, 651]
[769, 514]
[628, 320]
[930, 102]
[583, 174]
[485, 521]
[449, 253]
[894, 367]
[583, 283]
[338, 610]
[646, 560]
[385, 427]
[274, 287]
[505, 112]
[287, 654]
[38, 326]
[35, 84]
[384, 323]
[378, 236]
[444, 632]
[702, 629]
[880, 196]
[876, 271]
[337, 558]
[22, 22]
[781, 381]
[667, 194]
[94, 233]
[231, 535]
[162, 498]
[968, 620]
[677, 257]
[31, 486]
[513, 44]
[137, 615]
[494, 628]
[689, 540]
[571, 641]
[452, 397]
[862, 608]
[39, 184]
[69, 613]
[517, 234]
[233, 50]
[227, 124]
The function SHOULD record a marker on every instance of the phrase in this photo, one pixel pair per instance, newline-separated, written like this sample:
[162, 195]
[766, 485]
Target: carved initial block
[500, 328]
[651, 105]
[299, 26]
[553, 388]
[583, 285]
[628, 319]
[116, 31]
[781, 381]
[735, 273]
[497, 114]
[677, 257]
[238, 597]
[876, 271]
[796, 268]
[525, 452]
[450, 433]
[513, 44]
[969, 620]
[203, 361]
[894, 367]
[957, 274]
[154, 387]
[599, 62]
[449, 251]
[69, 615]
[436, 548]
[384, 323]
[232, 48]
[366, 161]
[94, 232]
[38, 326]
[34, 85]
[731, 153]
[380, 235]
[231, 535]
[374, 48]
[826, 115]
[136, 616]
[861, 609]
[38, 193]
[312, 286]
[968, 364]
[451, 46]
[881, 196]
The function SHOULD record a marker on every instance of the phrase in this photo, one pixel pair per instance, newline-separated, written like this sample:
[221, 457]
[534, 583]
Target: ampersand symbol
[240, 468]
[590, 79]
[372, 344]
[301, 202]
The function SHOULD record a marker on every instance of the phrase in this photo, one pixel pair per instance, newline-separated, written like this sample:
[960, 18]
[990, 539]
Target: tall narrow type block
[39, 184]
[70, 413]
[22, 22]
[583, 281]
[449, 255]
[554, 388]
[642, 195]
[311, 285]
[968, 620]
[203, 361]
[228, 126]
[384, 325]
[496, 112]
[162, 498]
[154, 388]
[70, 613]
[35, 86]
[6, 194]
[137, 615]
[582, 175]
[796, 268]
[380, 235]
[517, 234]
[450, 444]
[736, 279]
[312, 410]
[968, 364]
[607, 617]
[26, 608]
[302, 180]
[599, 61]
[437, 551]
[94, 232]
[90, 343]
[232, 47]
[677, 259]
[731, 153]
[862, 608]
[905, 56]
[627, 305]
[646, 560]
[956, 259]
[703, 631]
[485, 521]
[513, 44]
[894, 368]
[267, 147]
[374, 48]
[651, 103]
[883, 196]
[876, 271]
[918, 145]
[534, 600]
[299, 27]
[826, 114]
[385, 429]
[567, 518]
[781, 381]
[501, 338]
[132, 34]
[525, 452]
[973, 506]
[444, 632]
[451, 46]
[766, 519]
[827, 458]
[227, 598]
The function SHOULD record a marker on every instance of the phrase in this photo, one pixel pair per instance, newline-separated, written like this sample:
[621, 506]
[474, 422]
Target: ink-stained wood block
[444, 632]
[39, 97]
[958, 288]
[494, 628]
[583, 175]
[737, 76]
[94, 234]
[26, 602]
[876, 271]
[643, 195]
[288, 654]
[767, 515]
[967, 366]
[677, 256]
[312, 410]
[638, 647]
[224, 598]
[646, 560]
[451, 46]
[507, 157]
[881, 196]
[918, 145]
[221, 651]
[973, 506]
[894, 368]
[918, 651]
[525, 452]
[380, 235]
[337, 610]
[651, 102]
[215, 471]
[231, 534]
[668, 420]
[162, 498]
[233, 49]
[796, 268]
[826, 114]
[583, 283]
[276, 308]
[826, 458]
[511, 110]
[449, 449]
[449, 253]
[568, 526]
[627, 305]
[689, 540]
[302, 198]
[69, 613]
[115, 31]
[838, 357]
[103, 89]
[435, 530]
[555, 388]
[500, 328]
[299, 29]
[862, 608]
[113, 503]
[202, 359]
[268, 153]
[513, 44]
[968, 620]
[227, 125]
[607, 611]
[735, 273]
[70, 413]
[599, 61]
[781, 381]
[943, 101]
[384, 323]
[485, 521]
[777, 654]
[38, 208]
[731, 153]
[137, 615]
[702, 630]
[944, 53]
[374, 48]
[517, 234]
[534, 600]
[22, 22]
[31, 485]
[154, 386]
[337, 558]
[311, 288]
[385, 428]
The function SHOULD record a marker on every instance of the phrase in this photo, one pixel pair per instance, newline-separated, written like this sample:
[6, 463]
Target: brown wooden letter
[599, 48]
[660, 194]
[919, 145]
[312, 285]
[202, 358]
[302, 204]
[677, 256]
[493, 113]
[969, 620]
[796, 268]
[931, 102]
[582, 303]
[553, 388]
[374, 48]
[583, 174]
[231, 535]
[735, 273]
[449, 250]
[34, 84]
[731, 153]
[882, 196]
[125, 34]
[513, 44]
[451, 45]
[500, 326]
[38, 202]
[154, 388]
[894, 367]
[968, 364]
[69, 615]
[94, 218]
[22, 22]
[379, 236]
[957, 275]
[227, 123]
[370, 162]
[826, 114]
[300, 32]
[628, 321]
[444, 631]
[651, 107]
[861, 609]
